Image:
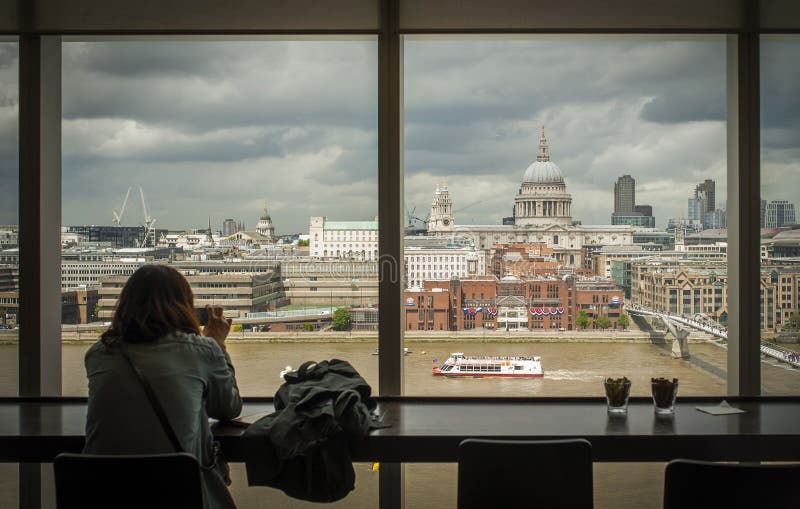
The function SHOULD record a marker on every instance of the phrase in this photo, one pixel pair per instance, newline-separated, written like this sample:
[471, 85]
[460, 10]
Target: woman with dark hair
[155, 330]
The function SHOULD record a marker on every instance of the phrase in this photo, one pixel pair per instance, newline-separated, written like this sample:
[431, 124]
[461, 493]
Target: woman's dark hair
[156, 301]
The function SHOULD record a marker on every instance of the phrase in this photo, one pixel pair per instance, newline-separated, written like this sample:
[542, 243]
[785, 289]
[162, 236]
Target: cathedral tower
[543, 198]
[441, 217]
[264, 226]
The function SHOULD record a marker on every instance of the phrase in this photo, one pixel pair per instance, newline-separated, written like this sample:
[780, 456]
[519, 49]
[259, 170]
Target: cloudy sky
[215, 128]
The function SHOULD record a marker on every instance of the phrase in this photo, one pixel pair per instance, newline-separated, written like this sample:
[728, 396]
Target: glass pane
[565, 199]
[780, 242]
[9, 217]
[249, 166]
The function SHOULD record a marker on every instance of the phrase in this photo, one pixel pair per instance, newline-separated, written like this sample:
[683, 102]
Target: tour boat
[459, 365]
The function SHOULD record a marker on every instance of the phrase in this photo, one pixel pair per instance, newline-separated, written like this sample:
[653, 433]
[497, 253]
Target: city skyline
[210, 128]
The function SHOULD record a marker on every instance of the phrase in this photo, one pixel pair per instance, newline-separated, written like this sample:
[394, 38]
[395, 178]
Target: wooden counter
[429, 429]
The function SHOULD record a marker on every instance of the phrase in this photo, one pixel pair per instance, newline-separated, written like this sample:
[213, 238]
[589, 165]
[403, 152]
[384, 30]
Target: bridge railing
[293, 313]
[772, 350]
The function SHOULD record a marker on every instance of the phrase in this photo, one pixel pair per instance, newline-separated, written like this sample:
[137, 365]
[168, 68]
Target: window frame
[41, 25]
[41, 30]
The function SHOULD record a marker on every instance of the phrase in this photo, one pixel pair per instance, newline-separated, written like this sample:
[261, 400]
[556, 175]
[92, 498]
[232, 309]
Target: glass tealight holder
[664, 393]
[618, 390]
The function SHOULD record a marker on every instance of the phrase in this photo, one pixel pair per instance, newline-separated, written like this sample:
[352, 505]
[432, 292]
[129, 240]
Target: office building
[9, 278]
[312, 282]
[229, 227]
[624, 195]
[79, 305]
[626, 212]
[8, 238]
[430, 258]
[779, 213]
[238, 293]
[357, 240]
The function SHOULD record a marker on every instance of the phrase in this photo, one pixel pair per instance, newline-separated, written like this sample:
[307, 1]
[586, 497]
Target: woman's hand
[218, 326]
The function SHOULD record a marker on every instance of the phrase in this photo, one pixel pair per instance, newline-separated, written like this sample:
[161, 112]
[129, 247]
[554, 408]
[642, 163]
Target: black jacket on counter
[303, 447]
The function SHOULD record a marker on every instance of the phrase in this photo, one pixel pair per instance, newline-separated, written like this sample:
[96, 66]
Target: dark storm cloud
[780, 109]
[780, 81]
[129, 59]
[611, 105]
[686, 105]
[214, 128]
[209, 85]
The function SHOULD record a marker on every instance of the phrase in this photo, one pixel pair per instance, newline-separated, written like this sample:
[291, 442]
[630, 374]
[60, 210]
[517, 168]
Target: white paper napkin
[722, 409]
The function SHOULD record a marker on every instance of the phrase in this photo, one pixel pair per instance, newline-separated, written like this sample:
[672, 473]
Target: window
[421, 170]
[158, 151]
[474, 105]
[9, 217]
[9, 236]
[780, 167]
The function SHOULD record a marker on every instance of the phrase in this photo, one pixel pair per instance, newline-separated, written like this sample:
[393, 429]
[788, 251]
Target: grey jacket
[193, 379]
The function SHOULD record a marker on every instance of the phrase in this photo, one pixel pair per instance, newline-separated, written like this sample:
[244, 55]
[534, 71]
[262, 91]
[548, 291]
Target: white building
[265, 226]
[88, 273]
[8, 239]
[429, 258]
[189, 240]
[357, 240]
[542, 213]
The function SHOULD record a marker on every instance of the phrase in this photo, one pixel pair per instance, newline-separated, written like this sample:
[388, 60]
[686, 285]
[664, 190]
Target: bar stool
[89, 481]
[525, 473]
[690, 484]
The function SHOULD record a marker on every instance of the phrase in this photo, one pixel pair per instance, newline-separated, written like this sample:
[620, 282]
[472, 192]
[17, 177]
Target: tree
[302, 242]
[793, 323]
[308, 327]
[603, 322]
[623, 321]
[341, 319]
[583, 319]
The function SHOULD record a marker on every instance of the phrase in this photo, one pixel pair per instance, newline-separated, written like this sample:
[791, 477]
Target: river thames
[570, 369]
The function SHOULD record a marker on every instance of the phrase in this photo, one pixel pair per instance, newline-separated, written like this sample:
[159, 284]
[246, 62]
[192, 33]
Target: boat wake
[565, 374]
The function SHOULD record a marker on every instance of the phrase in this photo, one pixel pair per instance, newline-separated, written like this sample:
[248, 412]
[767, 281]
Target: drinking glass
[618, 390]
[664, 393]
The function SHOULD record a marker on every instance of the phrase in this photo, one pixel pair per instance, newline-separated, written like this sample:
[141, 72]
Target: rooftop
[351, 225]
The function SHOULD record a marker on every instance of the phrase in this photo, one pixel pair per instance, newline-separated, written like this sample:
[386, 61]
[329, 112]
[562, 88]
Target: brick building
[511, 303]
[79, 305]
[428, 309]
[523, 260]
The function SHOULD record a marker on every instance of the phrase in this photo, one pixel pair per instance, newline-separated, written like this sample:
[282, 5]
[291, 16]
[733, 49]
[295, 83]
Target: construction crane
[465, 207]
[412, 217]
[411, 227]
[149, 222]
[118, 216]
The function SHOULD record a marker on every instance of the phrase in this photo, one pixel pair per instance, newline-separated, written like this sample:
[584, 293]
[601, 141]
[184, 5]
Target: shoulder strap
[151, 396]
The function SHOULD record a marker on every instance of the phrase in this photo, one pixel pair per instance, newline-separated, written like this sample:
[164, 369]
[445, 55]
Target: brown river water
[570, 369]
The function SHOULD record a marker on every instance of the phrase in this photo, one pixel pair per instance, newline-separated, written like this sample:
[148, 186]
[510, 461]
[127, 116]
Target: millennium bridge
[680, 327]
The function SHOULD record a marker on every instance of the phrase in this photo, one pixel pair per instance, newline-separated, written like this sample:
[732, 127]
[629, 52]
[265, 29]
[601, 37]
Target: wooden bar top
[430, 429]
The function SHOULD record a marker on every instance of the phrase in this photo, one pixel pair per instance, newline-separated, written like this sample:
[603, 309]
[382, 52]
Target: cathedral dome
[543, 171]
